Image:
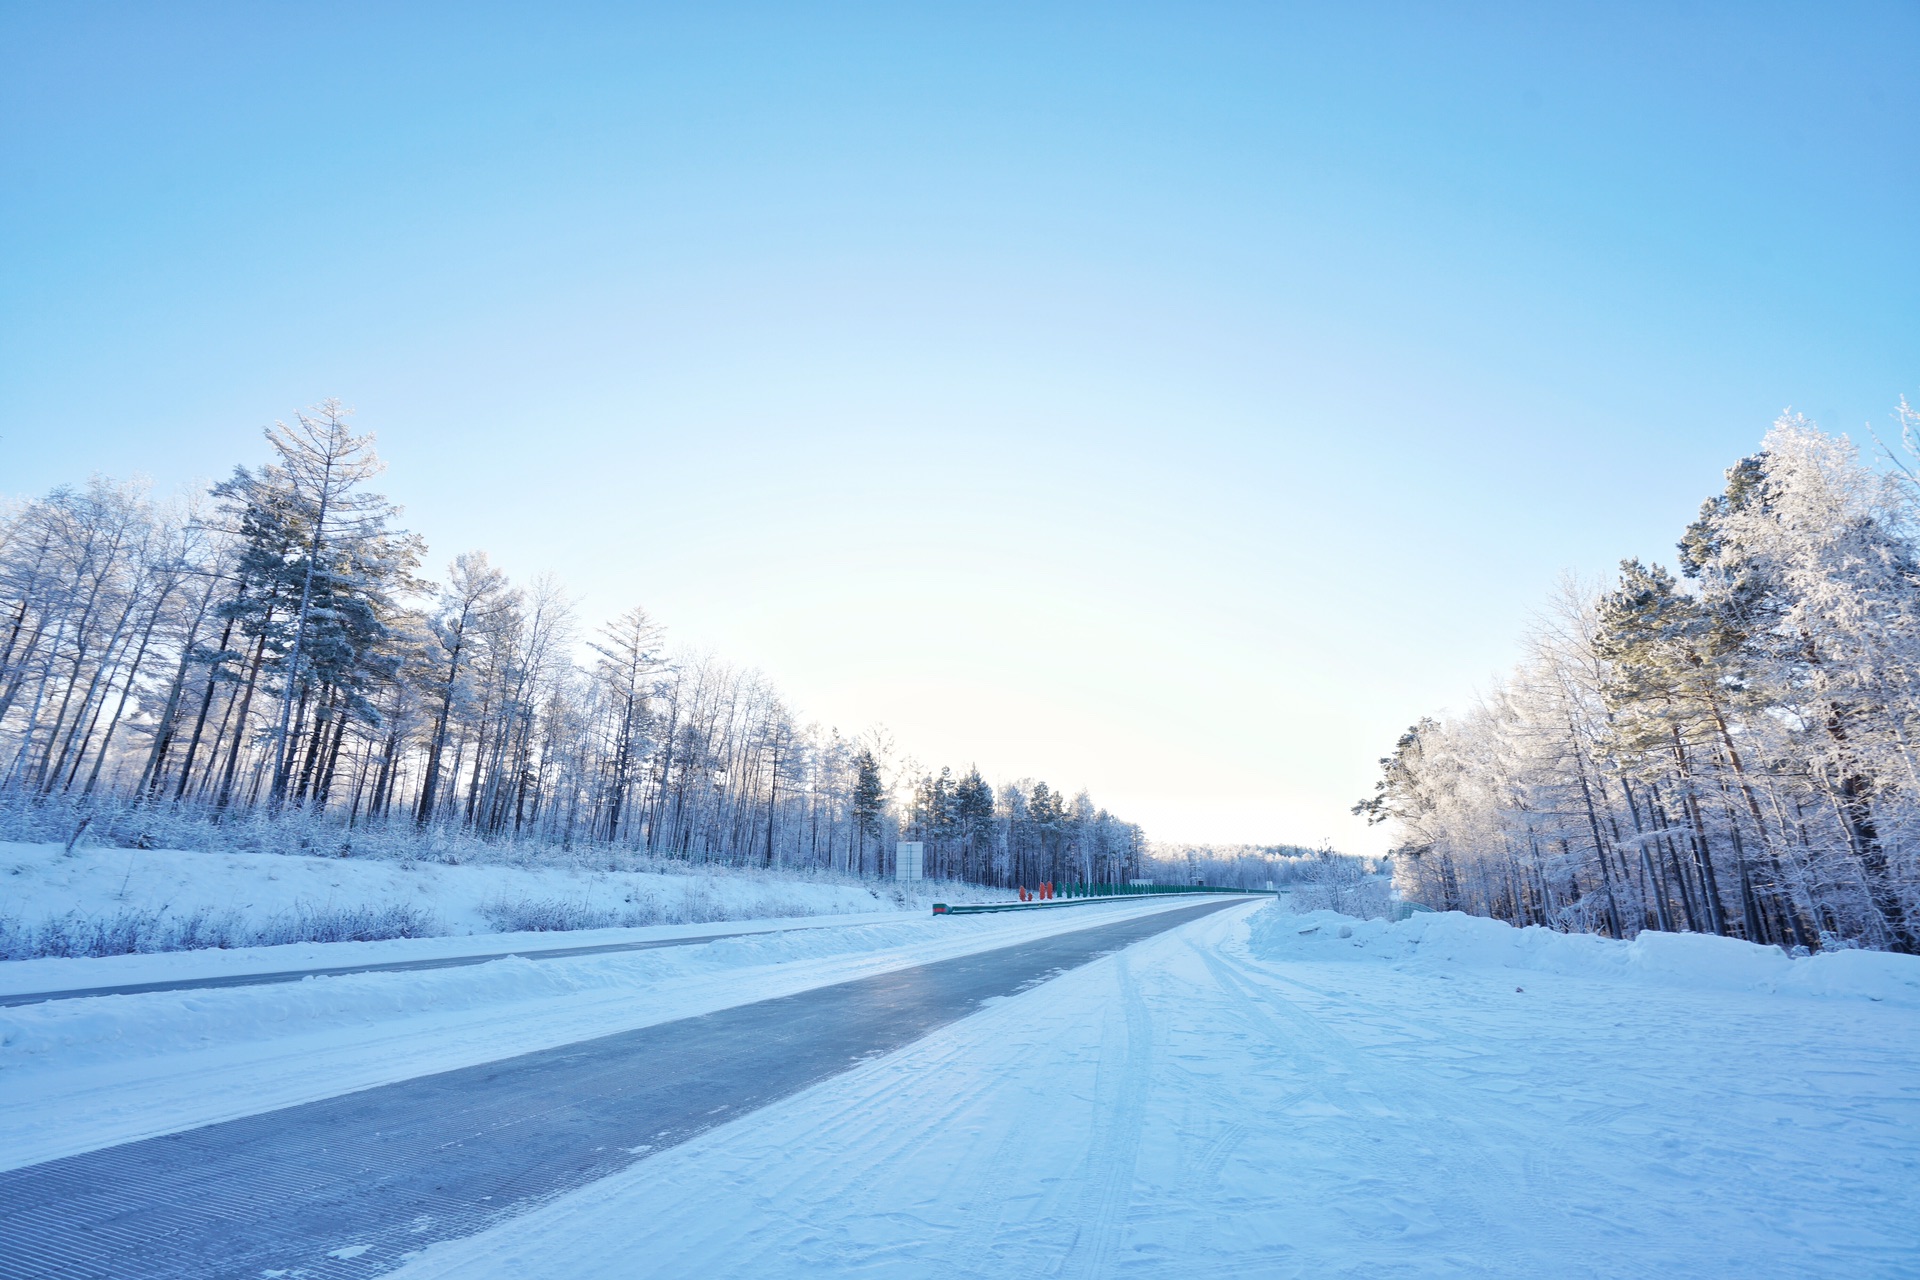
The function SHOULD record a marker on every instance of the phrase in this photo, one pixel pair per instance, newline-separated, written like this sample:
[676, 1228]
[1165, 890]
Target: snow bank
[110, 901]
[1429, 940]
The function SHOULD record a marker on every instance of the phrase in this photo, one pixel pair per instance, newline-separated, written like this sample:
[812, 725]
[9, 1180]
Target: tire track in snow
[1496, 1194]
[1214, 1123]
[1093, 1196]
[1543, 1150]
[1488, 1193]
[1120, 1110]
[867, 1155]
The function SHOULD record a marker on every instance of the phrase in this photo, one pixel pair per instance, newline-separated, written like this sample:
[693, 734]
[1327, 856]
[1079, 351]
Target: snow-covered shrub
[547, 915]
[141, 932]
[348, 924]
[699, 903]
[123, 933]
[1343, 885]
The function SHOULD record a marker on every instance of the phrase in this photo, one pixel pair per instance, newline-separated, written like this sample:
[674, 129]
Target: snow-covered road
[77, 1075]
[1220, 1102]
[1256, 1093]
[349, 1185]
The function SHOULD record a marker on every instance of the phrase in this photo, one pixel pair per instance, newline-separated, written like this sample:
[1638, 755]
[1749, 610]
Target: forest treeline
[1731, 750]
[268, 653]
[1253, 866]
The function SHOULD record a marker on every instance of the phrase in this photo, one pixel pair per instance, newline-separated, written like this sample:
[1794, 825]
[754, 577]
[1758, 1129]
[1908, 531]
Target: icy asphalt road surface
[348, 1185]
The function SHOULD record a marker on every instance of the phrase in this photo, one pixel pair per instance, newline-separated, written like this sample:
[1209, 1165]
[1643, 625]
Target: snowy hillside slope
[239, 898]
[1235, 1098]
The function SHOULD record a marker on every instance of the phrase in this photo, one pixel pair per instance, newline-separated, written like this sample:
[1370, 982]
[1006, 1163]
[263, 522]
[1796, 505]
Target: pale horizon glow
[1172, 403]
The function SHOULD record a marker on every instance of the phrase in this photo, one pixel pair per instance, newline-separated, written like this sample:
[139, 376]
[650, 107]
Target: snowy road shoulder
[82, 1074]
[1239, 1098]
[71, 978]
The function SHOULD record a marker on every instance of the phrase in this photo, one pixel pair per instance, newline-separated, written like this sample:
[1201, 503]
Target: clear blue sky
[1172, 400]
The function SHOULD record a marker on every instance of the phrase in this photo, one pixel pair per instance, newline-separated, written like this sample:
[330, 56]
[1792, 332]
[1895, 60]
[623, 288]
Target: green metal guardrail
[1075, 895]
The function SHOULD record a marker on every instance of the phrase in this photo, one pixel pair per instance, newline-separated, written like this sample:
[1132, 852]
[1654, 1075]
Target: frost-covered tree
[262, 658]
[1731, 751]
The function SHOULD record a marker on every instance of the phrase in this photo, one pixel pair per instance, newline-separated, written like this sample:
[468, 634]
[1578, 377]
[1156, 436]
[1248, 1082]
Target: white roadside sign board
[909, 860]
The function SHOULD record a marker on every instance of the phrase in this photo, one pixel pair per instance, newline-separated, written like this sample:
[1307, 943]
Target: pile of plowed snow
[1432, 940]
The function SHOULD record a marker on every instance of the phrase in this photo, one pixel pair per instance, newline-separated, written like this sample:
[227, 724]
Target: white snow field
[1262, 1094]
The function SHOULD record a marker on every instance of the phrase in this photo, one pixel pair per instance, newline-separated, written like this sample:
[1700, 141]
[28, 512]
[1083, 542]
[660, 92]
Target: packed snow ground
[80, 1074]
[1263, 1094]
[242, 894]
